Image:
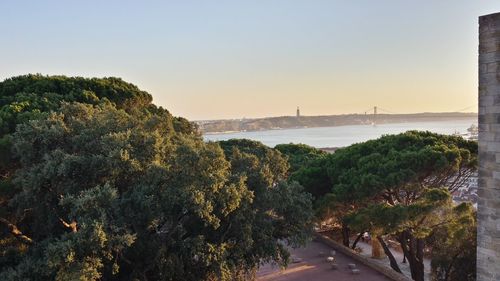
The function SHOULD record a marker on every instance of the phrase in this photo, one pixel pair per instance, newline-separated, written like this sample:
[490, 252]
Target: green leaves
[396, 218]
[454, 246]
[396, 185]
[398, 163]
[299, 155]
[279, 210]
[110, 194]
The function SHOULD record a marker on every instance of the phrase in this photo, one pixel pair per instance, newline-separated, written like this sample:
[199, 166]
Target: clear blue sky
[225, 59]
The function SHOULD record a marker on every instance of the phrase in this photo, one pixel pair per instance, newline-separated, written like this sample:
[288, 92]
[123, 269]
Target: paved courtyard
[314, 267]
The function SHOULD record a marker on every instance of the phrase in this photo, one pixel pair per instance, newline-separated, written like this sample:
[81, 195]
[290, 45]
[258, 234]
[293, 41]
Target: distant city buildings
[468, 191]
[473, 132]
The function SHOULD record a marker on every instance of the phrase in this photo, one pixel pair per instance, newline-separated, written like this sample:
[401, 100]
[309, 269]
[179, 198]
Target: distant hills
[291, 122]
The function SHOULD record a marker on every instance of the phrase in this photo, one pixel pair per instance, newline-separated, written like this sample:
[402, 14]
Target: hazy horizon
[292, 115]
[258, 59]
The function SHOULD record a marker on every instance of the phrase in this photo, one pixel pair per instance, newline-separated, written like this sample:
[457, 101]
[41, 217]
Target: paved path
[398, 255]
[313, 267]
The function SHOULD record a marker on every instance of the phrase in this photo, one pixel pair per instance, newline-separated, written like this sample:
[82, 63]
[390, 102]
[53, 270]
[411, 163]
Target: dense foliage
[98, 183]
[299, 155]
[27, 97]
[115, 188]
[396, 185]
[454, 246]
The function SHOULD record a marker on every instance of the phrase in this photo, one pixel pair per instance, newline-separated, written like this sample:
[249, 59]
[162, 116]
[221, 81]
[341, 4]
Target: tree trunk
[345, 235]
[403, 241]
[450, 267]
[16, 232]
[394, 263]
[357, 240]
[377, 249]
[416, 256]
[420, 260]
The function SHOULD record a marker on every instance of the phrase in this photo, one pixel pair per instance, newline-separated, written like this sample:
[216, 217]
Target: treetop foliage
[79, 89]
[299, 155]
[398, 185]
[411, 160]
[116, 189]
[23, 98]
[33, 96]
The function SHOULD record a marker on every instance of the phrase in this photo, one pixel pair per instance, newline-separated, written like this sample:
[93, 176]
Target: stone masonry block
[488, 213]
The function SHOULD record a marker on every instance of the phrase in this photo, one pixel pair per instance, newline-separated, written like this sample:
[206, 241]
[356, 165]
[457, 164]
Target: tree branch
[16, 232]
[72, 225]
[393, 262]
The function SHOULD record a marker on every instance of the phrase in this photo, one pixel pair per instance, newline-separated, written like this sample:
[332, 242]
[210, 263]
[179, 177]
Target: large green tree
[32, 97]
[89, 174]
[396, 185]
[405, 180]
[29, 97]
[98, 183]
[26, 97]
[106, 194]
[282, 211]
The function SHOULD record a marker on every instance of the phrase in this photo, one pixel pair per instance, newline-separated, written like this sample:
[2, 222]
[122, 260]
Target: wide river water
[344, 135]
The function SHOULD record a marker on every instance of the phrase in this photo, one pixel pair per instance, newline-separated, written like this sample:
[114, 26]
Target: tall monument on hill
[488, 212]
[298, 112]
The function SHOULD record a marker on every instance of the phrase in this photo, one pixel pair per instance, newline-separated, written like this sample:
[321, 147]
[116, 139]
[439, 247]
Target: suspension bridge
[375, 110]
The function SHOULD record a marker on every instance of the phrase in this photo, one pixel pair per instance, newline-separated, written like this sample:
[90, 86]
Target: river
[341, 136]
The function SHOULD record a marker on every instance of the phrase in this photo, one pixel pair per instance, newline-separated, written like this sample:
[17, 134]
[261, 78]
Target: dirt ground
[314, 267]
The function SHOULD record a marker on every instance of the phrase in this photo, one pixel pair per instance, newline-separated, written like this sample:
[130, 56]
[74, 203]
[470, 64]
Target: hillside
[290, 122]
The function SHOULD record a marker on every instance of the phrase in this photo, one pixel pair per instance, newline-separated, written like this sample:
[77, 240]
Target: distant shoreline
[216, 127]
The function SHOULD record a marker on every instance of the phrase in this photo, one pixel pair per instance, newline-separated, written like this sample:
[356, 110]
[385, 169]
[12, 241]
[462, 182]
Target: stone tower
[488, 213]
[298, 112]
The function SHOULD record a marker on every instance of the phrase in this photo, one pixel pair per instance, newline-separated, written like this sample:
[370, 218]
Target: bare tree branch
[16, 232]
[72, 225]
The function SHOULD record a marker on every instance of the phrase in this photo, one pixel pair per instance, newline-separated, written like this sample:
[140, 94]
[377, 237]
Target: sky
[245, 59]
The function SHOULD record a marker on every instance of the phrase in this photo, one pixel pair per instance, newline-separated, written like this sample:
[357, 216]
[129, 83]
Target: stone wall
[488, 250]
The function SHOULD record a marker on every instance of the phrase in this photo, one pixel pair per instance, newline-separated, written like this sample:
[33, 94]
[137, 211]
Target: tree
[27, 97]
[397, 183]
[314, 177]
[75, 89]
[102, 193]
[412, 224]
[31, 97]
[454, 246]
[299, 155]
[281, 211]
